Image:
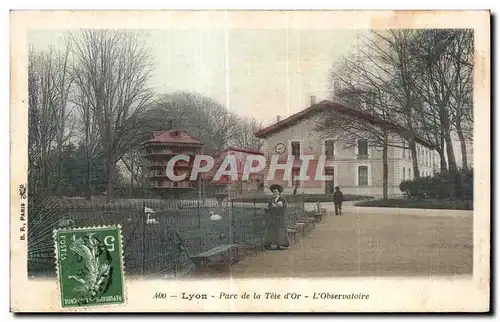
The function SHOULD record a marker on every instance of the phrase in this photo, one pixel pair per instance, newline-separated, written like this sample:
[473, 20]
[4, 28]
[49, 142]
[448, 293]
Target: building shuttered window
[329, 148]
[363, 147]
[296, 148]
[363, 176]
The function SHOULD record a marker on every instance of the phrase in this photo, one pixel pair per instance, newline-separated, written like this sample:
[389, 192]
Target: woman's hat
[276, 187]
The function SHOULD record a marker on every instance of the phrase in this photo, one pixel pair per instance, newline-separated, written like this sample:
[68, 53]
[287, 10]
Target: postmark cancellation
[90, 268]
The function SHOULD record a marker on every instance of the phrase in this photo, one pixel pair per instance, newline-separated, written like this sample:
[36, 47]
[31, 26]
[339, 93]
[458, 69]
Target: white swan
[214, 216]
[150, 221]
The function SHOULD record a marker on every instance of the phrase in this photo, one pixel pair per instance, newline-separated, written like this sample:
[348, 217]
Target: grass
[419, 203]
[148, 248]
[362, 245]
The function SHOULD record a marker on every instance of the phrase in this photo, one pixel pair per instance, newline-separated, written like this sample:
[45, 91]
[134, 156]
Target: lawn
[148, 248]
[419, 203]
[370, 245]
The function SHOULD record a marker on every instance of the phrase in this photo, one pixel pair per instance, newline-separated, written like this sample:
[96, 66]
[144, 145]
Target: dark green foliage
[73, 179]
[447, 184]
[419, 203]
[44, 217]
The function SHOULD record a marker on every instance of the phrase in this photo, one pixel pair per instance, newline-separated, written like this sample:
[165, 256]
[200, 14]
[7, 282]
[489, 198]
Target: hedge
[419, 203]
[454, 185]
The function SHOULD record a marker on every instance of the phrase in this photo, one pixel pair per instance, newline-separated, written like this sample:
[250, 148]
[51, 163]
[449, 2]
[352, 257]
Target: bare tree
[45, 118]
[112, 70]
[392, 67]
[62, 82]
[201, 116]
[245, 137]
[436, 79]
[462, 56]
[373, 82]
[89, 128]
[132, 162]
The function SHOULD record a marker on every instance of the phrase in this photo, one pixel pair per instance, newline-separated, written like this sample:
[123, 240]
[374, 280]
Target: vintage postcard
[250, 161]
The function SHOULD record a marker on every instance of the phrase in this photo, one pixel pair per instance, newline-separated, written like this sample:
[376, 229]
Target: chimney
[278, 118]
[313, 100]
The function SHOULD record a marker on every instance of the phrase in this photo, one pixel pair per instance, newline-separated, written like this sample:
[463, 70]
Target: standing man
[338, 197]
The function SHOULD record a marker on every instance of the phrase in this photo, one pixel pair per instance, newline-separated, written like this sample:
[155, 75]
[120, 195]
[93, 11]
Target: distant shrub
[455, 185]
[419, 203]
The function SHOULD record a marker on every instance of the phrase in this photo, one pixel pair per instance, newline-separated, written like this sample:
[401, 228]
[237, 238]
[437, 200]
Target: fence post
[233, 223]
[254, 207]
[199, 214]
[143, 239]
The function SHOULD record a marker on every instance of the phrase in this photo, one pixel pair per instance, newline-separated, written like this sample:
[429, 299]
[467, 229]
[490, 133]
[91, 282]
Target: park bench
[226, 254]
[302, 224]
[319, 212]
[308, 221]
[292, 233]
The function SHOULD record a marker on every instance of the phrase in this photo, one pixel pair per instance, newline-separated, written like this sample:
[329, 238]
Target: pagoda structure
[157, 152]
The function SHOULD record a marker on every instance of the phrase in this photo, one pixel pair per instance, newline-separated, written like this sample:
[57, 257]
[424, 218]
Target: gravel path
[357, 244]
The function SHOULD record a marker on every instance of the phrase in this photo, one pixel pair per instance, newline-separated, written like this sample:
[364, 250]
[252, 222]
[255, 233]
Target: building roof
[249, 151]
[240, 164]
[327, 105]
[174, 137]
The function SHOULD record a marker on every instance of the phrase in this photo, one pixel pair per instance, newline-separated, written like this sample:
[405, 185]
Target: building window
[295, 181]
[404, 174]
[363, 176]
[363, 147]
[296, 148]
[404, 150]
[329, 148]
[409, 174]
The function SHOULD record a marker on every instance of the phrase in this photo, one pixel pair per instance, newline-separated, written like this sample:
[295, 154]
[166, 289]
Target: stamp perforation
[58, 279]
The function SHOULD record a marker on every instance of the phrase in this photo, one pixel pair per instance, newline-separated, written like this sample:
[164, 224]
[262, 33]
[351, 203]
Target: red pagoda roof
[174, 137]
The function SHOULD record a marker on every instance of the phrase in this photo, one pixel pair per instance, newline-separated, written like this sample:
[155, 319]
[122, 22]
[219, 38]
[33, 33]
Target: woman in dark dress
[275, 233]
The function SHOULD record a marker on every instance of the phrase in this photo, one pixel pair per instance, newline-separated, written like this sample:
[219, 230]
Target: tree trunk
[131, 177]
[445, 127]
[413, 150]
[442, 161]
[58, 166]
[463, 146]
[444, 166]
[385, 187]
[110, 170]
[89, 172]
[450, 154]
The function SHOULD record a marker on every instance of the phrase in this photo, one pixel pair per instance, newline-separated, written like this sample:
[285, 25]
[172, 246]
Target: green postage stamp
[90, 266]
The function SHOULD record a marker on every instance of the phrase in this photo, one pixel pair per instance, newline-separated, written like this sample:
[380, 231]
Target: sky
[257, 73]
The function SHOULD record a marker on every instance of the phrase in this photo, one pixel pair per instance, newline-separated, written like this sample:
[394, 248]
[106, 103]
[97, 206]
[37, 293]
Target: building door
[329, 184]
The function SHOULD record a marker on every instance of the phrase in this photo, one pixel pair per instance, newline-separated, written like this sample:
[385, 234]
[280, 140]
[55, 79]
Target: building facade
[159, 150]
[237, 188]
[356, 167]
